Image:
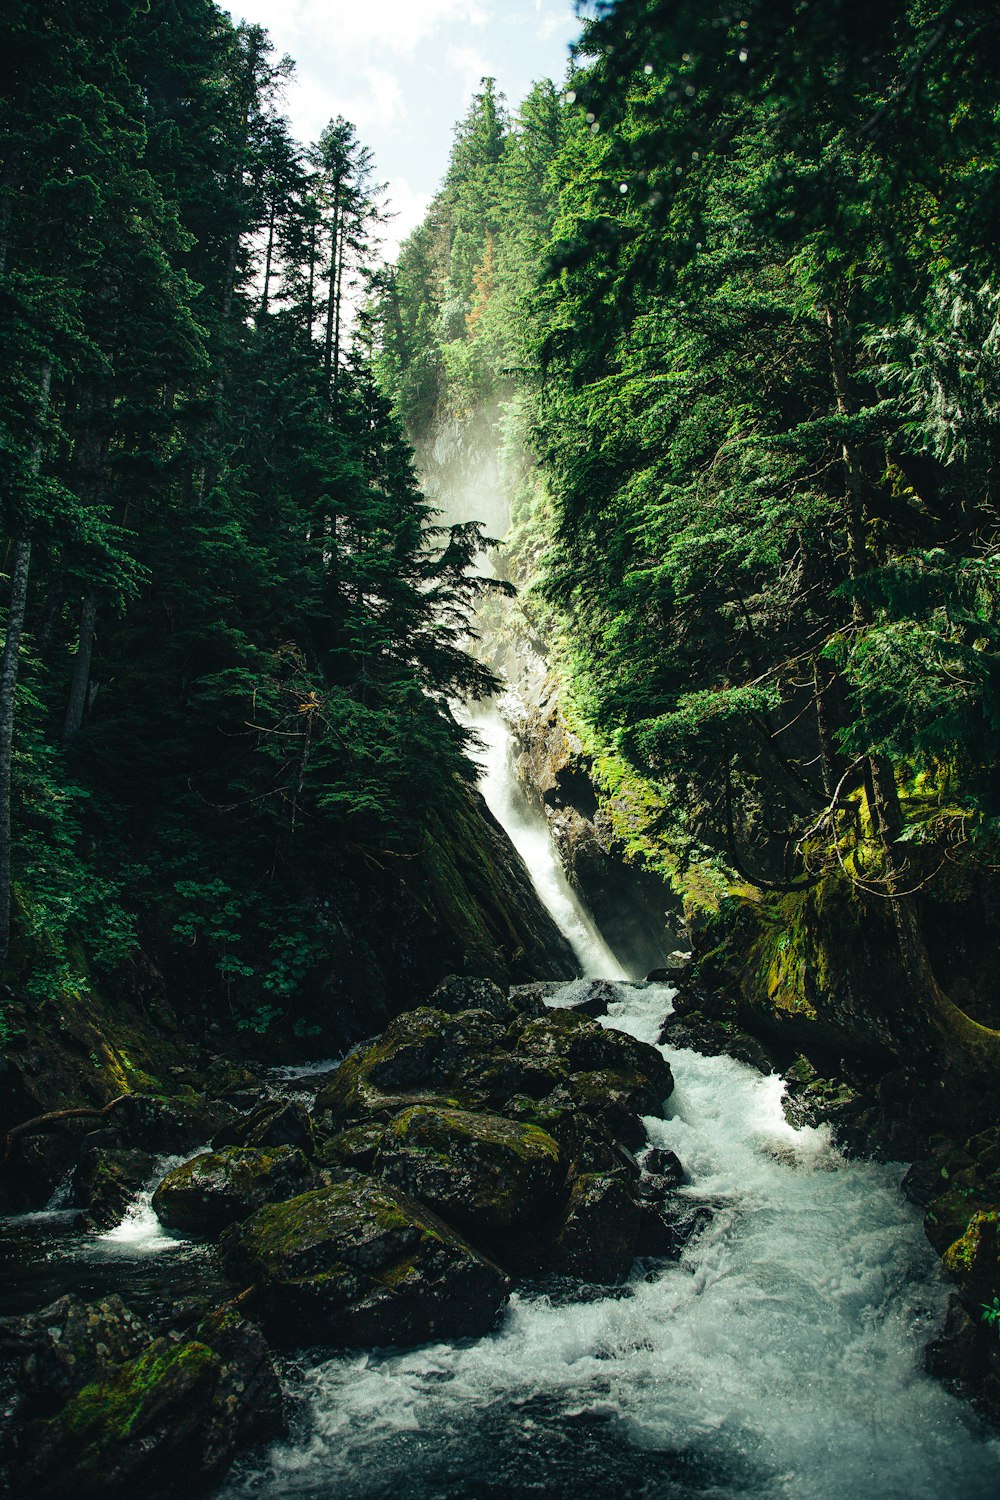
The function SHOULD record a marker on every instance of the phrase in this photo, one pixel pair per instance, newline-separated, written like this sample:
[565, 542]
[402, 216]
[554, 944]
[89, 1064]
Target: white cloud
[365, 26]
[470, 64]
[410, 207]
[374, 98]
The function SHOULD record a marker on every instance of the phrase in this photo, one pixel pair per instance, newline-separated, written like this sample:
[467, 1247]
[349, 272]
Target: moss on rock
[480, 1171]
[218, 1188]
[358, 1263]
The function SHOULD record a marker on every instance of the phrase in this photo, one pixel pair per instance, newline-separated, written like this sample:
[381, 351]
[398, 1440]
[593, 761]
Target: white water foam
[779, 1359]
[140, 1232]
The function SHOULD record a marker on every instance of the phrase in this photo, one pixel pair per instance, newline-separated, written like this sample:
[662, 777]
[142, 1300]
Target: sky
[403, 72]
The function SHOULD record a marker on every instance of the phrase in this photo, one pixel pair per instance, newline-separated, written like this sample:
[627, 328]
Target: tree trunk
[331, 293]
[268, 256]
[828, 760]
[8, 685]
[78, 688]
[311, 293]
[9, 664]
[336, 313]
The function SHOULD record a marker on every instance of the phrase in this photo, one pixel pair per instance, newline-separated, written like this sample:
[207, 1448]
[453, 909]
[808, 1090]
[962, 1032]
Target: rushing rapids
[779, 1357]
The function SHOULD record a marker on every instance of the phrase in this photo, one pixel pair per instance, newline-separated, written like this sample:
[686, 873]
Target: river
[780, 1357]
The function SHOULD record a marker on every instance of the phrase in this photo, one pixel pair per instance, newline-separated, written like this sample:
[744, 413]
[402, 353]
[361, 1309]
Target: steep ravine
[472, 468]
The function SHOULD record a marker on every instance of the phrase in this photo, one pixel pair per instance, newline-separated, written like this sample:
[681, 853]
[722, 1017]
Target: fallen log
[55, 1117]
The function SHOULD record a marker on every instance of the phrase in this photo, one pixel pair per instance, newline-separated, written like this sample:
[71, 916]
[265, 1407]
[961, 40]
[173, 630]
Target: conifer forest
[500, 766]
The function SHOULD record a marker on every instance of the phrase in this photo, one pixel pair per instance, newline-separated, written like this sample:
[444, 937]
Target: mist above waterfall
[469, 474]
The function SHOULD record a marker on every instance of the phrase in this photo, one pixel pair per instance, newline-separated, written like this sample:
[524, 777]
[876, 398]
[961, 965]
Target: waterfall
[778, 1359]
[463, 468]
[527, 828]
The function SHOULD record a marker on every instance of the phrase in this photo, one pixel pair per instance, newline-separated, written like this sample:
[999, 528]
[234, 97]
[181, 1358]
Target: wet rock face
[218, 1188]
[359, 1263]
[965, 1356]
[959, 1188]
[165, 1423]
[68, 1345]
[457, 993]
[102, 1410]
[280, 1123]
[598, 1236]
[481, 1172]
[106, 1180]
[473, 1062]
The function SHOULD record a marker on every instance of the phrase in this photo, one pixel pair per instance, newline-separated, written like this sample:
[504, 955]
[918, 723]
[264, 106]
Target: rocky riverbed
[481, 1141]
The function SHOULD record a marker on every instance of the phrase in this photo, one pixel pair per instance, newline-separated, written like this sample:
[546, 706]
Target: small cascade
[140, 1231]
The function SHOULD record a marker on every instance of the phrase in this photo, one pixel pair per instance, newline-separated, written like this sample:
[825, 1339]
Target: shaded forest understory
[721, 307]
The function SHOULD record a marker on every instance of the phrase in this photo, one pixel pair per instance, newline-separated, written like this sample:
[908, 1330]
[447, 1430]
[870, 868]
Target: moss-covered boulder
[472, 1060]
[481, 1172]
[460, 992]
[166, 1423]
[599, 1233]
[65, 1346]
[580, 1045]
[359, 1263]
[356, 1147]
[106, 1181]
[973, 1260]
[277, 1123]
[205, 1195]
[422, 1055]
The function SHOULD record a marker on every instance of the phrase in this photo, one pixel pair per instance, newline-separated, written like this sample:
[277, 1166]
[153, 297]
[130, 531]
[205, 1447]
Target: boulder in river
[422, 1054]
[599, 1233]
[590, 997]
[281, 1122]
[359, 1263]
[481, 1172]
[469, 1058]
[65, 1346]
[458, 992]
[106, 1181]
[165, 1423]
[218, 1188]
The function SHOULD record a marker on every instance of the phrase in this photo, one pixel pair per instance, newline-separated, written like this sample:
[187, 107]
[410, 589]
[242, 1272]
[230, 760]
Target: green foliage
[740, 303]
[243, 628]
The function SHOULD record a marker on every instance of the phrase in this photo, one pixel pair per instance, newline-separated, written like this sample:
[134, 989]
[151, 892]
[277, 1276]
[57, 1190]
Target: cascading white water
[779, 1359]
[528, 830]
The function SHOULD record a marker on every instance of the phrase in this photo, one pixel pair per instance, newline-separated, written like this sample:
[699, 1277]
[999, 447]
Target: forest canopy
[234, 626]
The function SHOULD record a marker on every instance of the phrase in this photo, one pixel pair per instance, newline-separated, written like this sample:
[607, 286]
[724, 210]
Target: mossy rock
[599, 1234]
[358, 1263]
[973, 1260]
[459, 992]
[481, 1172]
[279, 1123]
[357, 1147]
[580, 1045]
[106, 1181]
[613, 1102]
[205, 1195]
[166, 1424]
[417, 1057]
[586, 1087]
[969, 1181]
[68, 1345]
